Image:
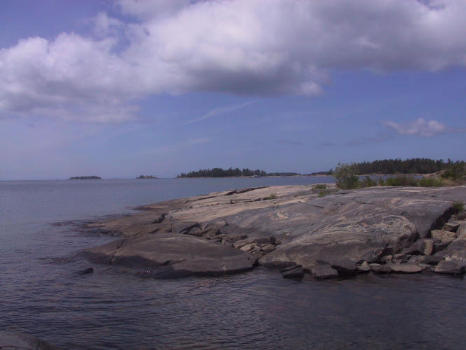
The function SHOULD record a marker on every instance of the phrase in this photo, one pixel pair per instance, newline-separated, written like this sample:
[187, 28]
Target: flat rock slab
[19, 341]
[406, 268]
[168, 255]
[224, 232]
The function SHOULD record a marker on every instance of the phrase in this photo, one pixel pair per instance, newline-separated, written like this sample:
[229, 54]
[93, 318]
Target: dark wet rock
[87, 271]
[20, 341]
[416, 248]
[323, 271]
[293, 272]
[439, 246]
[379, 225]
[173, 255]
[420, 247]
[160, 218]
[344, 266]
[244, 190]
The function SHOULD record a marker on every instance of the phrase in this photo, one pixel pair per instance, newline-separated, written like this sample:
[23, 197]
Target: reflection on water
[42, 294]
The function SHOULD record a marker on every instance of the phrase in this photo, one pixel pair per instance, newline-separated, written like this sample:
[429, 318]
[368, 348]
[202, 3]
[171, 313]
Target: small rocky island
[303, 231]
[85, 178]
[146, 177]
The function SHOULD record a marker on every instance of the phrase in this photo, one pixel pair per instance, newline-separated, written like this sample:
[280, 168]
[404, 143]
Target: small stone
[241, 243]
[443, 236]
[451, 226]
[364, 267]
[428, 246]
[323, 271]
[267, 248]
[248, 247]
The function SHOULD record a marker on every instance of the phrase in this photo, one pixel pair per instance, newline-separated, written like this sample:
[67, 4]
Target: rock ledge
[295, 229]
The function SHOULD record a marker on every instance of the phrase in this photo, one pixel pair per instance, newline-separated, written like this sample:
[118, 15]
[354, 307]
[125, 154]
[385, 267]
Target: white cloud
[420, 127]
[105, 25]
[246, 47]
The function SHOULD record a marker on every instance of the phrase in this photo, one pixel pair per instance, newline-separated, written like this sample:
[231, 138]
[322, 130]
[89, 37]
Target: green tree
[346, 177]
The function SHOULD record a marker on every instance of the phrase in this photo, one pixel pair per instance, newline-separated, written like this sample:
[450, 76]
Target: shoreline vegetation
[398, 167]
[417, 172]
[348, 176]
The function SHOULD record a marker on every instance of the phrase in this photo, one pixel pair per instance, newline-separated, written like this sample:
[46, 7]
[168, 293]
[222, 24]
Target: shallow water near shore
[42, 294]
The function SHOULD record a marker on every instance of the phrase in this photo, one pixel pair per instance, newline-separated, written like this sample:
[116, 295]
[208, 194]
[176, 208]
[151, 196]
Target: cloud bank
[244, 47]
[420, 127]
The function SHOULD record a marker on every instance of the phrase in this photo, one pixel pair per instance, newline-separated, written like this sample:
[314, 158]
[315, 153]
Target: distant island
[144, 177]
[85, 178]
[321, 173]
[219, 172]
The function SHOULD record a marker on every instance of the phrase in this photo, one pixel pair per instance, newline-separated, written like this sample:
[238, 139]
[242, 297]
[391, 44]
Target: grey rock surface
[289, 226]
[167, 255]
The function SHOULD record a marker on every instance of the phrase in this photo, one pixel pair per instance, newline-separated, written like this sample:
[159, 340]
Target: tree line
[398, 166]
[219, 172]
[386, 166]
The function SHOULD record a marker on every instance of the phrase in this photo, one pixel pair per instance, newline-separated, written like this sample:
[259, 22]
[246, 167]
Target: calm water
[41, 294]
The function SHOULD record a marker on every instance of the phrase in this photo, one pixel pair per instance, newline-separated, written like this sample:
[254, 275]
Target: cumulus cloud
[245, 47]
[419, 127]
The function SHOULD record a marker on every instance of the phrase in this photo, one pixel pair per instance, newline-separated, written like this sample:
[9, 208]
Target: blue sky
[122, 88]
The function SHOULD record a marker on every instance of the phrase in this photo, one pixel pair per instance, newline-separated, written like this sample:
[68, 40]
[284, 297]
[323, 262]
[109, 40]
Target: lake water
[41, 293]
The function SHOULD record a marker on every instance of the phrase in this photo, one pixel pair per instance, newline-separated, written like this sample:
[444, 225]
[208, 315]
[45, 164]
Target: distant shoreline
[85, 178]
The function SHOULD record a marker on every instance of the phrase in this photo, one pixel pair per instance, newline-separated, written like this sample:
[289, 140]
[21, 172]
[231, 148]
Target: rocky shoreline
[299, 230]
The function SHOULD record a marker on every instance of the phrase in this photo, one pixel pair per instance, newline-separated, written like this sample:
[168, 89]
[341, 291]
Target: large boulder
[450, 267]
